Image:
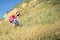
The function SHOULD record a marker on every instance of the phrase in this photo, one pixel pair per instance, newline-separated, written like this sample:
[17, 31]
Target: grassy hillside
[39, 20]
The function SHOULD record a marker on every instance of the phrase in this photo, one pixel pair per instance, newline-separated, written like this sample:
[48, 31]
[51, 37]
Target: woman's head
[18, 13]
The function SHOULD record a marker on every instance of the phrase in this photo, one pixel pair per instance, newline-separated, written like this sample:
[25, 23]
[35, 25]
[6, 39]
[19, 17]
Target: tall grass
[37, 22]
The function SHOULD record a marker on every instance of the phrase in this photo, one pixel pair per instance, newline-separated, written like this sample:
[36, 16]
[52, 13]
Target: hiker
[14, 19]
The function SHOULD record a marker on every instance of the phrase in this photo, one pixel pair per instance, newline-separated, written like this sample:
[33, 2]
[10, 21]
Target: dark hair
[18, 14]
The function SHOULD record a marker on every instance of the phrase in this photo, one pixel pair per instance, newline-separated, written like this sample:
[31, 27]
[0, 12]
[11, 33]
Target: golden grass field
[38, 21]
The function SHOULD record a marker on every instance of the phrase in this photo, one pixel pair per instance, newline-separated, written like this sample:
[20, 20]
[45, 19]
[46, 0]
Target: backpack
[11, 18]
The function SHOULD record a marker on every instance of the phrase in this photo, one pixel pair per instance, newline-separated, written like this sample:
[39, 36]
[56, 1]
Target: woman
[15, 22]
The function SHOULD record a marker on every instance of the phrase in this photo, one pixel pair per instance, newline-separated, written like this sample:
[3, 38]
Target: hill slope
[39, 20]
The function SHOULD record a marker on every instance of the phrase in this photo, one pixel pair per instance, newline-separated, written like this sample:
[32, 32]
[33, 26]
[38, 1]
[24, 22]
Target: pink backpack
[11, 19]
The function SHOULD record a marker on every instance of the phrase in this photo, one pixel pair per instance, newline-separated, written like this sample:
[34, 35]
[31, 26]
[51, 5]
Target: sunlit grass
[38, 22]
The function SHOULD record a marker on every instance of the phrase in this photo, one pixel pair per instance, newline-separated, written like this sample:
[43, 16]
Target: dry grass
[37, 22]
[37, 32]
